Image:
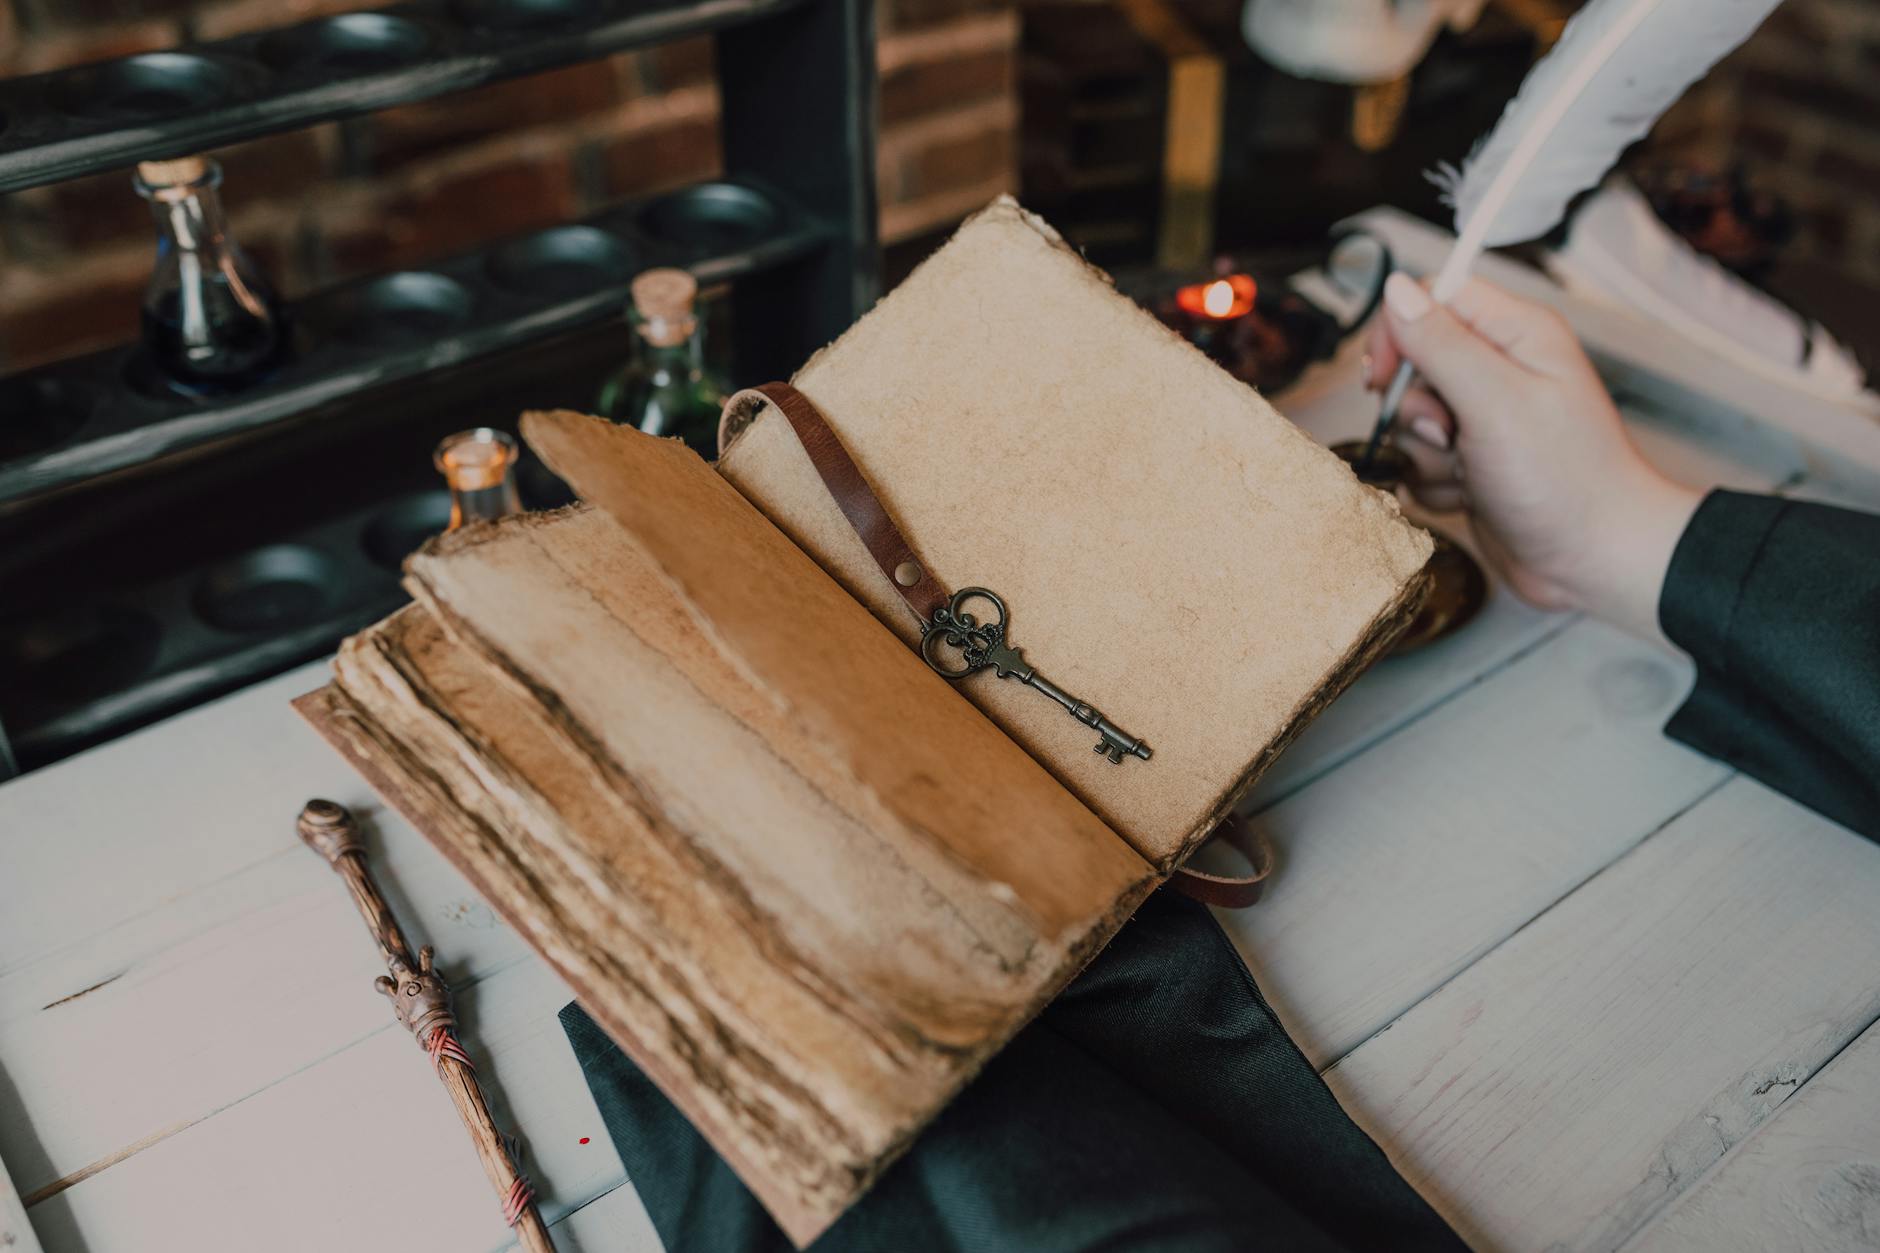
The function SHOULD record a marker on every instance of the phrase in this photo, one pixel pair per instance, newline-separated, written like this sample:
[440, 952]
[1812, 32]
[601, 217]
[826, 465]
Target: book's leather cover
[1171, 548]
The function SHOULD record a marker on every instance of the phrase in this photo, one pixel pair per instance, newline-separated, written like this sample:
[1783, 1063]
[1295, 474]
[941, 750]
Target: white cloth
[1350, 41]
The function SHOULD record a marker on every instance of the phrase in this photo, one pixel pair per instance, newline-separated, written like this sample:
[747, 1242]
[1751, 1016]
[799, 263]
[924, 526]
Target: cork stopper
[663, 300]
[180, 172]
[176, 180]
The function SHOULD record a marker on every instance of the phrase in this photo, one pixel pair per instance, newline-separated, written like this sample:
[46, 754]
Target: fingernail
[1430, 431]
[1406, 297]
[1369, 367]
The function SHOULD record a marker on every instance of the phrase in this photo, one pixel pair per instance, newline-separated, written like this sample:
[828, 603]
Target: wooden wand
[422, 1002]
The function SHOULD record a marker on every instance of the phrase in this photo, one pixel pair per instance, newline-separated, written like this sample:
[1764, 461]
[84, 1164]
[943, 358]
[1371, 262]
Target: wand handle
[422, 1002]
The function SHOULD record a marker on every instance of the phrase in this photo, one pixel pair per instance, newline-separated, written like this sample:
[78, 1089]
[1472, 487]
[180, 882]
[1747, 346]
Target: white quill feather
[1617, 66]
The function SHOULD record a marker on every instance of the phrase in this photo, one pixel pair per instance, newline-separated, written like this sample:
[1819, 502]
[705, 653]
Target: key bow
[981, 646]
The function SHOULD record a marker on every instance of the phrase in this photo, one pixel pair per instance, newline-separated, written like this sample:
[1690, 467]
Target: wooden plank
[614, 1222]
[364, 1150]
[1425, 851]
[174, 906]
[1398, 690]
[1565, 1088]
[16, 1234]
[202, 899]
[163, 822]
[1810, 1173]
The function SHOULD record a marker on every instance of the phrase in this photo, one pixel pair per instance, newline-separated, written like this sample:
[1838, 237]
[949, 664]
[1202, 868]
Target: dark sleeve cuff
[1778, 603]
[1710, 569]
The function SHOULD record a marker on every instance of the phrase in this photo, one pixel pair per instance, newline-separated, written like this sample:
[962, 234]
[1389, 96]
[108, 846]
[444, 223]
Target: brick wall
[410, 185]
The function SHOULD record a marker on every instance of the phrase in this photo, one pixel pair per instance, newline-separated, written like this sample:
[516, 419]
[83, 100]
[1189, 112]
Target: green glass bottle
[665, 389]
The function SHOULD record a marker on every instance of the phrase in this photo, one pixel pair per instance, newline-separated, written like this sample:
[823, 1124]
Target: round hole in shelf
[271, 589]
[563, 261]
[714, 216]
[155, 84]
[37, 414]
[348, 43]
[402, 308]
[524, 14]
[77, 652]
[396, 531]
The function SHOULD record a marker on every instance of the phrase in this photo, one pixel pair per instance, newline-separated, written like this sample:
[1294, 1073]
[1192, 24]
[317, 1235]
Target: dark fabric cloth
[1155, 1105]
[1778, 602]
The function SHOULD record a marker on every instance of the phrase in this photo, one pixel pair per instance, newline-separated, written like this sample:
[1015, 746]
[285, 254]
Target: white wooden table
[1589, 989]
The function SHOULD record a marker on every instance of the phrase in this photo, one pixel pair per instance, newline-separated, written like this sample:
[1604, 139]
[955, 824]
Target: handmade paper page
[1172, 549]
[809, 910]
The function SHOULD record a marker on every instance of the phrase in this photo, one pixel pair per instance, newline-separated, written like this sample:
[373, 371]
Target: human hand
[1508, 421]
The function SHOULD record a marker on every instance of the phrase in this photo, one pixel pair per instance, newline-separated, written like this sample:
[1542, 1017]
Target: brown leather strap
[924, 594]
[857, 500]
[1230, 891]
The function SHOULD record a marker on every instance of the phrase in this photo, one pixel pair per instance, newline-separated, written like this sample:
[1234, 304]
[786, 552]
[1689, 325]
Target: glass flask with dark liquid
[211, 321]
[665, 389]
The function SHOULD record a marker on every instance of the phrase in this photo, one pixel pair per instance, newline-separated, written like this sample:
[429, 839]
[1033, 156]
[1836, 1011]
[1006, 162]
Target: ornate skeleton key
[982, 646]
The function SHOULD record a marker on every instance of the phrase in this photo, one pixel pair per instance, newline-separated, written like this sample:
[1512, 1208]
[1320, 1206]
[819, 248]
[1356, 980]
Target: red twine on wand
[520, 1194]
[443, 1044]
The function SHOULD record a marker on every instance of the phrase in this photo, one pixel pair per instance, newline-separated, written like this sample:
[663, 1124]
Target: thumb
[1476, 378]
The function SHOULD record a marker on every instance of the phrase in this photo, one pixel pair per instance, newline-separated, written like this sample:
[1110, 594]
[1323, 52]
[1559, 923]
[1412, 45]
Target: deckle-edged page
[810, 911]
[1171, 548]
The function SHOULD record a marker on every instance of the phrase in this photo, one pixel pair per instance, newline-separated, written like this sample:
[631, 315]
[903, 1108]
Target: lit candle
[1221, 300]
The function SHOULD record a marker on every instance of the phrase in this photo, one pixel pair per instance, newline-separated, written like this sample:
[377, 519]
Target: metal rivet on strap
[907, 574]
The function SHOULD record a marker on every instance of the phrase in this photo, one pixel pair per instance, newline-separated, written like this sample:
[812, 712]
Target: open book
[681, 737]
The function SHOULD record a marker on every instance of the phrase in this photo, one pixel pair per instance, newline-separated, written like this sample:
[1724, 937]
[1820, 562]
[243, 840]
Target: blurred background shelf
[171, 589]
[106, 114]
[70, 422]
[158, 548]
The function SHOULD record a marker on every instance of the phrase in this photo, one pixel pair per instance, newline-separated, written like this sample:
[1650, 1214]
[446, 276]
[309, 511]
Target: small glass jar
[480, 466]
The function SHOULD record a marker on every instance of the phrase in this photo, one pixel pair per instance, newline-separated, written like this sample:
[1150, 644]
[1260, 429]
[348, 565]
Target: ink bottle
[211, 322]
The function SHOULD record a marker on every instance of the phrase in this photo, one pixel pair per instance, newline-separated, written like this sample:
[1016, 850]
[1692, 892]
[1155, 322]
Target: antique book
[681, 736]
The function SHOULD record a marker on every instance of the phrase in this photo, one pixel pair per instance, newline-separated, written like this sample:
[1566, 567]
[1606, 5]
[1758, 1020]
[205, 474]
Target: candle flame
[1218, 299]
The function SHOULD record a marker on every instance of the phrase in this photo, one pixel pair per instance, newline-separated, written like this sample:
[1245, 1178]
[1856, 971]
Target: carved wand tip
[329, 829]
